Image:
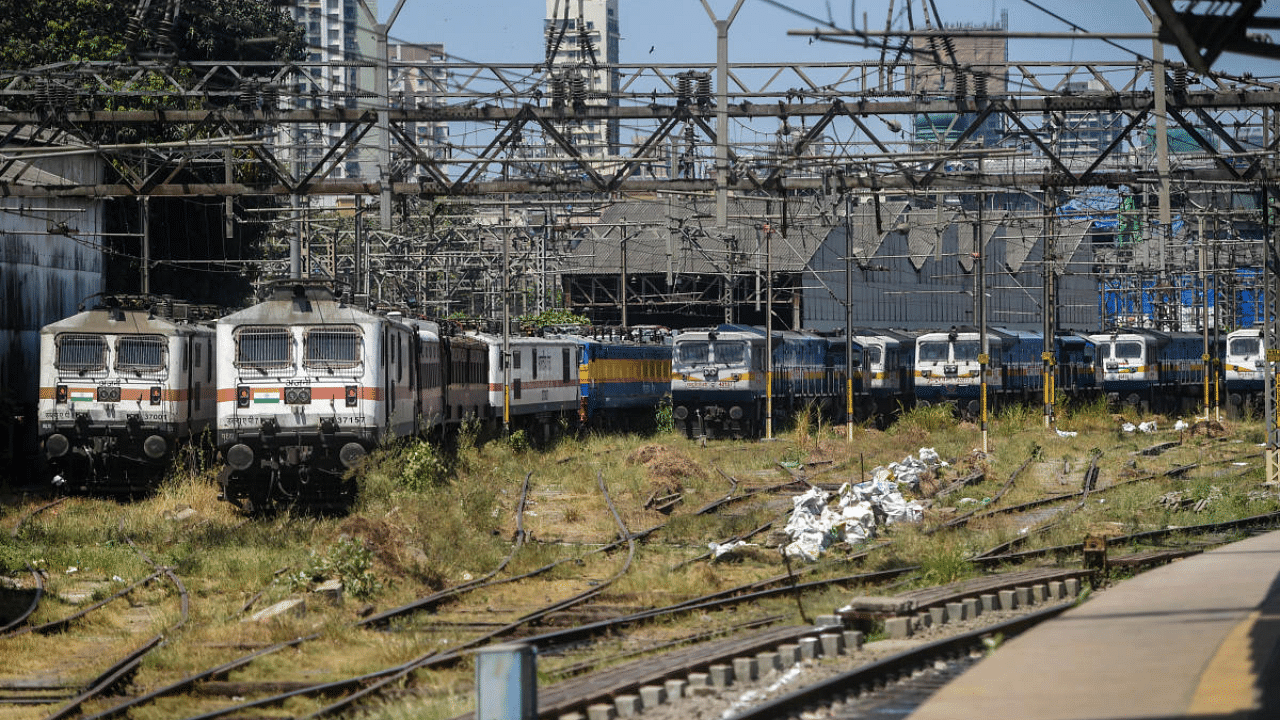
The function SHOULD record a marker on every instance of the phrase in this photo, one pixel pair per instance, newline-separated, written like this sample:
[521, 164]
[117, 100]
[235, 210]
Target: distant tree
[41, 33]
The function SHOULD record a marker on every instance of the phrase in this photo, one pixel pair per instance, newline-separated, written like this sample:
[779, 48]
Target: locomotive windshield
[331, 347]
[81, 353]
[1129, 350]
[1245, 346]
[967, 350]
[140, 352]
[933, 351]
[263, 347]
[719, 352]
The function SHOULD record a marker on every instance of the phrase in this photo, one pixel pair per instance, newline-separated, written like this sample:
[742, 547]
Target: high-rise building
[582, 40]
[948, 66]
[420, 80]
[337, 32]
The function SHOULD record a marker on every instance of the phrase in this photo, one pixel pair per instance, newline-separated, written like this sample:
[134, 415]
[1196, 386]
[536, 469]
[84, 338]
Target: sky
[681, 31]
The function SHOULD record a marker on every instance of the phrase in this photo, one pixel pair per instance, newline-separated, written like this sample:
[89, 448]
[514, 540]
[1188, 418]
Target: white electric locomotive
[543, 388]
[1244, 365]
[307, 385]
[122, 388]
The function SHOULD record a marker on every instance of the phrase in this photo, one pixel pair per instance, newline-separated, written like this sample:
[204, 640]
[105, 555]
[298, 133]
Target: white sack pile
[816, 524]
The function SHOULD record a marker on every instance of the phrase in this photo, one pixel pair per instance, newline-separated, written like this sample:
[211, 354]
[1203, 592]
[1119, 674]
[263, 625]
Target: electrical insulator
[1180, 78]
[980, 85]
[558, 94]
[578, 88]
[704, 88]
[962, 85]
[684, 86]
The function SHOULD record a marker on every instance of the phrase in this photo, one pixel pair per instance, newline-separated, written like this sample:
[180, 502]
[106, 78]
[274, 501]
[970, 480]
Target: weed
[348, 560]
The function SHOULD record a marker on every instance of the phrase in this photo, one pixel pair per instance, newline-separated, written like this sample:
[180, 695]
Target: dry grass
[427, 532]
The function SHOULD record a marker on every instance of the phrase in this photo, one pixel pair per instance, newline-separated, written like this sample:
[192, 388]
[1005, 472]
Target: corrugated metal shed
[50, 261]
[666, 235]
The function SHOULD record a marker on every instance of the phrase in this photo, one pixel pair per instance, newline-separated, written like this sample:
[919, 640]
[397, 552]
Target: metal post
[146, 245]
[768, 332]
[1205, 357]
[848, 322]
[1048, 303]
[722, 111]
[984, 357]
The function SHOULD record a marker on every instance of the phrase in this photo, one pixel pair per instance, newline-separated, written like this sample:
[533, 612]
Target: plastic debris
[1065, 433]
[859, 509]
[1180, 425]
[1147, 427]
[718, 551]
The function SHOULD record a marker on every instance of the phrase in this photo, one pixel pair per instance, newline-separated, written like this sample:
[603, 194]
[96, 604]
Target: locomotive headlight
[243, 397]
[155, 447]
[297, 395]
[735, 412]
[240, 456]
[60, 395]
[56, 445]
[109, 393]
[351, 392]
[351, 454]
[155, 395]
[681, 412]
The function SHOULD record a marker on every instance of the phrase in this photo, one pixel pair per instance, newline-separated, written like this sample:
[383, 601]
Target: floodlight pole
[768, 332]
[848, 322]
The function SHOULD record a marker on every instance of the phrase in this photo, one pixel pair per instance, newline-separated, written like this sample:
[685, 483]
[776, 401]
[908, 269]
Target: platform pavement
[1196, 638]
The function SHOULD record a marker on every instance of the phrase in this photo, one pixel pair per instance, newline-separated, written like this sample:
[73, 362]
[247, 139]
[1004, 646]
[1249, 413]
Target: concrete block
[832, 644]
[675, 689]
[971, 607]
[330, 590]
[923, 621]
[572, 716]
[1057, 589]
[809, 648]
[898, 628]
[744, 669]
[1008, 600]
[939, 614]
[828, 621]
[1040, 592]
[651, 696]
[627, 705]
[768, 662]
[720, 676]
[853, 640]
[1073, 586]
[789, 654]
[1024, 596]
[601, 711]
[290, 606]
[697, 680]
[990, 602]
[956, 613]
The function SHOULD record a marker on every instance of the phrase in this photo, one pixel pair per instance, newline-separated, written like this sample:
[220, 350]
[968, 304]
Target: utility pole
[1049, 304]
[984, 356]
[848, 321]
[768, 332]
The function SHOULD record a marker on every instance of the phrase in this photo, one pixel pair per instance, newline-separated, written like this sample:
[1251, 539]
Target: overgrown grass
[428, 518]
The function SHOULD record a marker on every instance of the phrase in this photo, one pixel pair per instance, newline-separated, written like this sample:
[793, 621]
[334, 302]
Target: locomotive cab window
[933, 352]
[81, 353]
[692, 353]
[729, 353]
[140, 353]
[331, 348]
[1245, 346]
[967, 350]
[263, 348]
[1129, 350]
